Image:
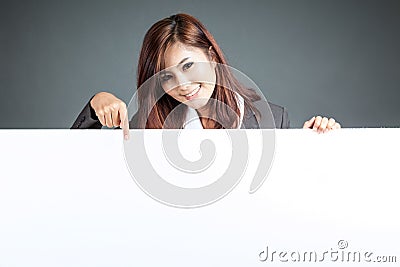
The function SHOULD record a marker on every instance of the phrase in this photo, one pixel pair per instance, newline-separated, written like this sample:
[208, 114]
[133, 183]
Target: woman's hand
[321, 124]
[111, 111]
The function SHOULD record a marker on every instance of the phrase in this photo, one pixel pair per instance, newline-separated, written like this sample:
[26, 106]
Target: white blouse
[192, 120]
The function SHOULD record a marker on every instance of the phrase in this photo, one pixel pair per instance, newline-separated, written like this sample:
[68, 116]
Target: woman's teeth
[193, 92]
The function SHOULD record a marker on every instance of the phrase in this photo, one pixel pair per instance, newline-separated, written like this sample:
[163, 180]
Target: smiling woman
[192, 78]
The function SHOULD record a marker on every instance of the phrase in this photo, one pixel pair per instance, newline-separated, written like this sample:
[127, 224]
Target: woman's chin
[196, 103]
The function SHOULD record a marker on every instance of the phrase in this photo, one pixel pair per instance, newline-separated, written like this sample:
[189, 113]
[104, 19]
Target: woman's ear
[211, 55]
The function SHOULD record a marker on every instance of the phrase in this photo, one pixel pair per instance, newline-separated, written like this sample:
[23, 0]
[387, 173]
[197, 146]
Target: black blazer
[87, 119]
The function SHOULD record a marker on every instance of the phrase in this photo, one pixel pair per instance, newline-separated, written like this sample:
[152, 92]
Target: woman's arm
[87, 119]
[104, 109]
[317, 123]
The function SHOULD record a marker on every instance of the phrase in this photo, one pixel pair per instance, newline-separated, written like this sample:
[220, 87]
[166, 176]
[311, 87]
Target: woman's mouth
[193, 94]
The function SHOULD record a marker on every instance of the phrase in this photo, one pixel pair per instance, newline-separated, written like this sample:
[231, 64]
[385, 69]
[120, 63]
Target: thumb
[308, 124]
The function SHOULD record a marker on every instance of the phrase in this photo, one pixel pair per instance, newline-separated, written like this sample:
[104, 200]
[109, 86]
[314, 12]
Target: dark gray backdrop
[337, 58]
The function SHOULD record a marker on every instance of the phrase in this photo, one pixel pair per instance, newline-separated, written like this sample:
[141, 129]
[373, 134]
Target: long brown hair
[153, 109]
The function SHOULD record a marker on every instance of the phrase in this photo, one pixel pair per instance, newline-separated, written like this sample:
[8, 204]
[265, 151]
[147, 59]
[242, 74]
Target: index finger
[125, 123]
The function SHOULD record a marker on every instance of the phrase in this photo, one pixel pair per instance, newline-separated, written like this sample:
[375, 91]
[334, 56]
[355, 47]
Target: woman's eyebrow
[164, 71]
[183, 60]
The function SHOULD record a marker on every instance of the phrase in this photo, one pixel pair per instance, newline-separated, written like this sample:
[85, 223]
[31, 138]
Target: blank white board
[67, 199]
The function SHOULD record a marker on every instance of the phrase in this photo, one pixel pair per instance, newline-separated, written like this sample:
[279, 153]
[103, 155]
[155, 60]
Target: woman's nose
[182, 81]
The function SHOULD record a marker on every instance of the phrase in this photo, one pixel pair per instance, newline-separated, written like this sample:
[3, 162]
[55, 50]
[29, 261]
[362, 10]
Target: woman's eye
[165, 77]
[187, 65]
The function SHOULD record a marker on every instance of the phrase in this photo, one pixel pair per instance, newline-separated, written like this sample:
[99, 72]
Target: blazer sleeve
[285, 119]
[281, 116]
[87, 119]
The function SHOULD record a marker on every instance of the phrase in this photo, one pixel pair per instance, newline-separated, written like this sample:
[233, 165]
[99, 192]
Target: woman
[172, 49]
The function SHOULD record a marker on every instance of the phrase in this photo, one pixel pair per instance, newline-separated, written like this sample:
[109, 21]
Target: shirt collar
[192, 120]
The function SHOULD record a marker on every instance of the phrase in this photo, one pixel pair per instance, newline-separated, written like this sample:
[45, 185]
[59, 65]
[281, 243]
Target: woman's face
[189, 75]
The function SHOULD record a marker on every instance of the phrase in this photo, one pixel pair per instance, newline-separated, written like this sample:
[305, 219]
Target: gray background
[336, 58]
